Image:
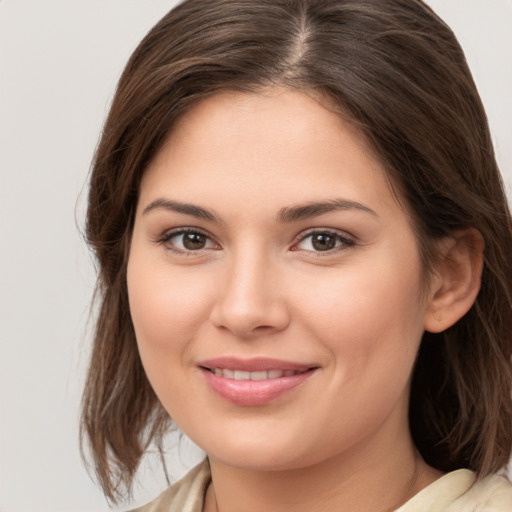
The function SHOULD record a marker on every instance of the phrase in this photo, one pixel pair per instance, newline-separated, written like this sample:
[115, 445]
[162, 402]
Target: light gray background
[59, 62]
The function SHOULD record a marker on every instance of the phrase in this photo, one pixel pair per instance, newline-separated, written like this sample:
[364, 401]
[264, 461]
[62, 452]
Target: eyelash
[343, 240]
[167, 236]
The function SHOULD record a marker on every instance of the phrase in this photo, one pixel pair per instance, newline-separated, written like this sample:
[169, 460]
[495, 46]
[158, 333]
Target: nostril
[263, 328]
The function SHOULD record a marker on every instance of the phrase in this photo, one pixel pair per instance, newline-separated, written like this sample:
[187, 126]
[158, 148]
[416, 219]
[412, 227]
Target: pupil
[323, 242]
[194, 241]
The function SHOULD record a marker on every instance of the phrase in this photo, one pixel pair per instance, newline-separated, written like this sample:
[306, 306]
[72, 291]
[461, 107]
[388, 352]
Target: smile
[258, 375]
[253, 382]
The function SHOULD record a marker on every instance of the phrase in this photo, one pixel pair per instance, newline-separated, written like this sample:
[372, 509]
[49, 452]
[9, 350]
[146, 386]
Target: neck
[367, 479]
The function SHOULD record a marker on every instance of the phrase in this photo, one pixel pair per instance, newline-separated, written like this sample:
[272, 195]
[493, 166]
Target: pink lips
[252, 382]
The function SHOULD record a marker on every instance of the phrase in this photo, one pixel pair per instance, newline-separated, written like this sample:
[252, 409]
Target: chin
[255, 453]
[263, 460]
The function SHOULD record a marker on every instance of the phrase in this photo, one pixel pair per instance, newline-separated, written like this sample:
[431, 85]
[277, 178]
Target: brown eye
[187, 241]
[194, 241]
[323, 241]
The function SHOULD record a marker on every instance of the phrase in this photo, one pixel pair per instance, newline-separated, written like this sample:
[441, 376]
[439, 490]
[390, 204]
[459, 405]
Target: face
[275, 284]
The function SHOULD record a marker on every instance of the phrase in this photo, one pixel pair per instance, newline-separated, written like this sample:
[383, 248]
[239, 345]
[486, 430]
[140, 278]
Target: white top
[450, 493]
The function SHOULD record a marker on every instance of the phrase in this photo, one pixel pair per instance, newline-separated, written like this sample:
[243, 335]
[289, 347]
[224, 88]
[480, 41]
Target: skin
[259, 287]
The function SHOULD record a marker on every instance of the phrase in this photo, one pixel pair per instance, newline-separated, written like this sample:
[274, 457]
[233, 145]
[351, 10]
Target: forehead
[263, 149]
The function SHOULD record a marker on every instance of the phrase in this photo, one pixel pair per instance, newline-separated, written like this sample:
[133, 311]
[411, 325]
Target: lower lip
[254, 392]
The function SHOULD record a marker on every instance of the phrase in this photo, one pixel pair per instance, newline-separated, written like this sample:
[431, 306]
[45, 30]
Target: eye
[187, 240]
[323, 241]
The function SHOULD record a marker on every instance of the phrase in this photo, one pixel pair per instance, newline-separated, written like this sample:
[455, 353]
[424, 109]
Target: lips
[253, 382]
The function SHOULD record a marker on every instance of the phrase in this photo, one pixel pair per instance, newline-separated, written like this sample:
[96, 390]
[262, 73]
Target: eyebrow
[315, 209]
[285, 215]
[185, 208]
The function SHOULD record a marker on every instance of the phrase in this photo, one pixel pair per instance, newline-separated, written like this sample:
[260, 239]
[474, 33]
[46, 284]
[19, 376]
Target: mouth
[256, 375]
[254, 382]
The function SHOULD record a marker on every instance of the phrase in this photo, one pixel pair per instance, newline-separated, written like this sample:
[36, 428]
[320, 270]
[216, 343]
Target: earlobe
[457, 281]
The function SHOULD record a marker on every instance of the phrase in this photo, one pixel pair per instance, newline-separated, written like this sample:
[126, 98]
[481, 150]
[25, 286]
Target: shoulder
[490, 494]
[186, 495]
[459, 492]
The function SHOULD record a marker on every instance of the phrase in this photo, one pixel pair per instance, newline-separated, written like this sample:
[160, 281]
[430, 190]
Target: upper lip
[256, 364]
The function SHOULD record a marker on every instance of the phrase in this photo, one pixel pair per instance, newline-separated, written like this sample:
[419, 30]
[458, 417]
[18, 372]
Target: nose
[250, 301]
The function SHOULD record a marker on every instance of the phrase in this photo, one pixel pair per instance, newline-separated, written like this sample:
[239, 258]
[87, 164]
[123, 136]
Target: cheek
[167, 308]
[370, 319]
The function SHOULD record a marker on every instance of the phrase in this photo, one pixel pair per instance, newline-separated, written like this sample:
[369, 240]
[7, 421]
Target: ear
[457, 280]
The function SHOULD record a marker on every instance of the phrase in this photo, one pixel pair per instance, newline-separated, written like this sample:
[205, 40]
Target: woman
[303, 246]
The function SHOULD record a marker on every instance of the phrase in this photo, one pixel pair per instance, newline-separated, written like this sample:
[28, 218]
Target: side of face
[266, 231]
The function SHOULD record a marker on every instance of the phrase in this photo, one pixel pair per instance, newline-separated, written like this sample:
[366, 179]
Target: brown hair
[396, 70]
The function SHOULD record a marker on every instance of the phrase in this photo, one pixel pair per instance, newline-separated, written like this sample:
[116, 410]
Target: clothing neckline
[441, 492]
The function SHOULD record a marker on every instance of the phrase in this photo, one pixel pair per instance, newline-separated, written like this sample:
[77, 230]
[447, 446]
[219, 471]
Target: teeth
[259, 375]
[244, 375]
